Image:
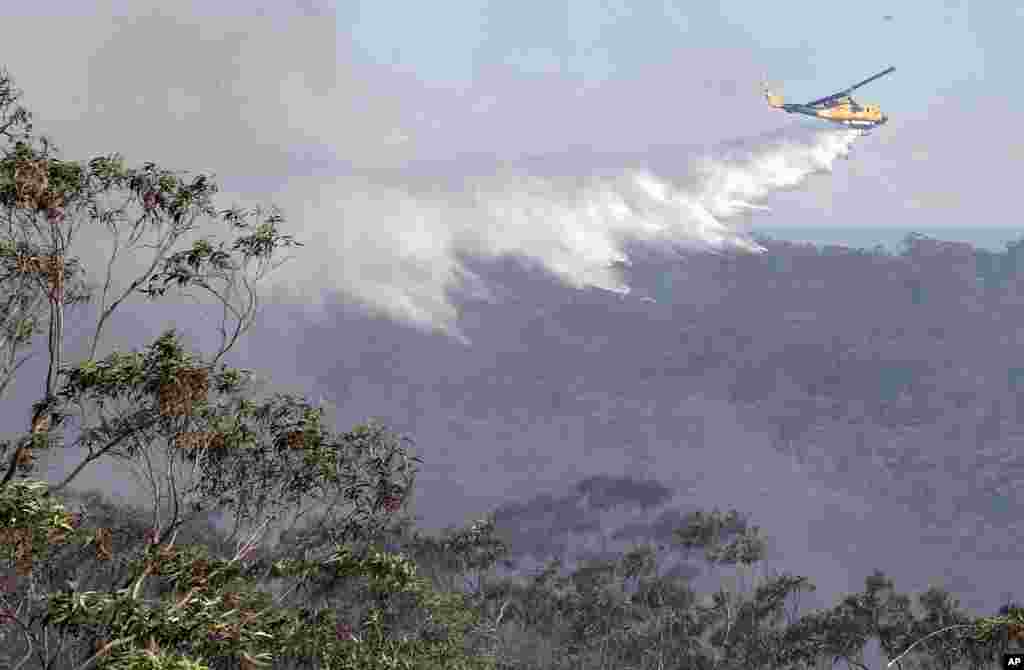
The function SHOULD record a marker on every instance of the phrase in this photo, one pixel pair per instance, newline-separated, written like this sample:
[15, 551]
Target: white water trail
[397, 249]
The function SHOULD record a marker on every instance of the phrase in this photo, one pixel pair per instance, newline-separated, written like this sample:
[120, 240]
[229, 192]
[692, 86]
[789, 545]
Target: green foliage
[187, 267]
[30, 523]
[217, 613]
[181, 606]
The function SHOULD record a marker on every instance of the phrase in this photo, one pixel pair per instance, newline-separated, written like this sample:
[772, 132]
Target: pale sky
[935, 45]
[293, 87]
[802, 43]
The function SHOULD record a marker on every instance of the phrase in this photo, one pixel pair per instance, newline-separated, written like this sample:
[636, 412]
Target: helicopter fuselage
[847, 114]
[838, 108]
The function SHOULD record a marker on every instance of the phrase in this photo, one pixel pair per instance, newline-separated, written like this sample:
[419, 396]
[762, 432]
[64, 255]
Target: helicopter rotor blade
[871, 79]
[846, 92]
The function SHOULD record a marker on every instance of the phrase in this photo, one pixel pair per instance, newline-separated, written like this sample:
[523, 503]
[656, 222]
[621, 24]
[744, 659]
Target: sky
[394, 134]
[599, 41]
[675, 61]
[321, 88]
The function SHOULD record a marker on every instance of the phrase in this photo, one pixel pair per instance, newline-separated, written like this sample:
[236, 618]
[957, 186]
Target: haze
[505, 261]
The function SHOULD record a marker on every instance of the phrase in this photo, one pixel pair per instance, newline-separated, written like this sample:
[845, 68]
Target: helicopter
[837, 108]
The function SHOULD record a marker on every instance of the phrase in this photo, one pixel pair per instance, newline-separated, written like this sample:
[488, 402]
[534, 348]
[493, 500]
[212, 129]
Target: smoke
[398, 248]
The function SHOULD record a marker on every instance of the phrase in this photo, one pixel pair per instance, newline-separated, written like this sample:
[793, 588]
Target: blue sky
[594, 41]
[935, 45]
[376, 84]
[617, 76]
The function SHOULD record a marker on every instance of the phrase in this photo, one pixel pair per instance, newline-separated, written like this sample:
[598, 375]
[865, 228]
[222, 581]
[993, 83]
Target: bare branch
[139, 281]
[96, 455]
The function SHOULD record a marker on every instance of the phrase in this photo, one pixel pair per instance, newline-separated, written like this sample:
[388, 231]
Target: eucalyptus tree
[88, 588]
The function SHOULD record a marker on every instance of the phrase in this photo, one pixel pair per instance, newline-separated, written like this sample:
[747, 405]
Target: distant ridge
[993, 239]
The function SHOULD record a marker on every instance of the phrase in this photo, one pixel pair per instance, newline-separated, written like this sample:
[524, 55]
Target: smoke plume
[398, 248]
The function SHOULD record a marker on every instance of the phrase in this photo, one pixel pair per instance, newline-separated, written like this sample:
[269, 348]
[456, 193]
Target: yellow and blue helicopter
[838, 108]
